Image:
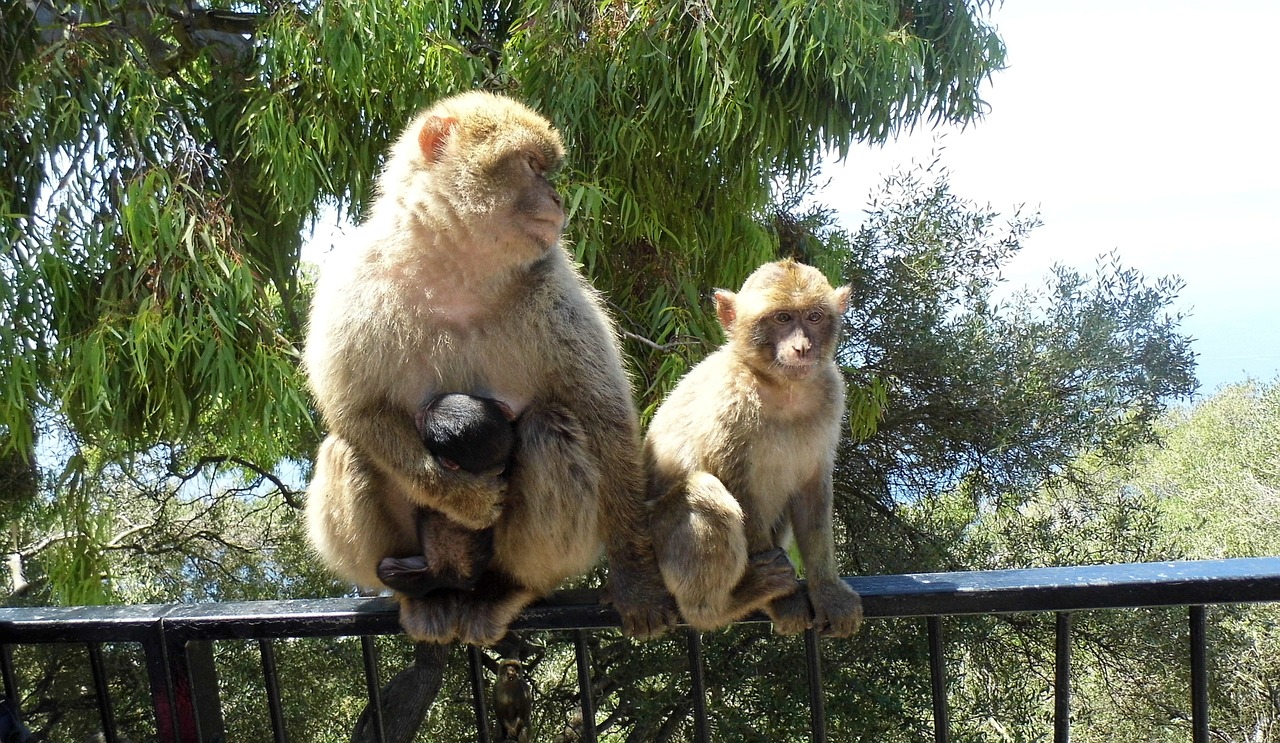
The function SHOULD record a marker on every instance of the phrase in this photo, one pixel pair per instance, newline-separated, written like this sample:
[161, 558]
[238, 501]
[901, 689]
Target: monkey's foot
[431, 619]
[791, 614]
[774, 572]
[769, 575]
[483, 620]
[837, 608]
[642, 600]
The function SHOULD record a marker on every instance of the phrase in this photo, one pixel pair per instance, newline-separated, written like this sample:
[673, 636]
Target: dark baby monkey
[473, 434]
[740, 456]
[468, 433]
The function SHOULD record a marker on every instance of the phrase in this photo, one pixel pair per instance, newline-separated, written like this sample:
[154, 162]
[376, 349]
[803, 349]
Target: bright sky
[1151, 128]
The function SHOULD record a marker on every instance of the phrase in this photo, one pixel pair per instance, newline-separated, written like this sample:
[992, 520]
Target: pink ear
[433, 135]
[726, 310]
[842, 297]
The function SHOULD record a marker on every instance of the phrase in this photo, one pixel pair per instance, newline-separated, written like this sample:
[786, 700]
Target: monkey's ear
[433, 135]
[841, 296]
[726, 308]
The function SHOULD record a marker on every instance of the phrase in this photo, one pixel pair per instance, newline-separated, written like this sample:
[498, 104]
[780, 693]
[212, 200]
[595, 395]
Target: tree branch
[290, 497]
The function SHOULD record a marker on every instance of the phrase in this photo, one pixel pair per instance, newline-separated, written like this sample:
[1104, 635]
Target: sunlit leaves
[177, 176]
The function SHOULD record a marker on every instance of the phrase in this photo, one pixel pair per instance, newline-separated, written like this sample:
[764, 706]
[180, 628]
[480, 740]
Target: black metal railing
[176, 638]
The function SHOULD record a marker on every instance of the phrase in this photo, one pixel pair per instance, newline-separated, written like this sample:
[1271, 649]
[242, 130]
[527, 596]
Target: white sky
[1147, 127]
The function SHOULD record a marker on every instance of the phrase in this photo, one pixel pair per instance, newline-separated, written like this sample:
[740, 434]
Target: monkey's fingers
[474, 501]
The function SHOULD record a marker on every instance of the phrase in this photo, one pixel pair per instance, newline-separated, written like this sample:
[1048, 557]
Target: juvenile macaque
[456, 283]
[512, 703]
[473, 434]
[739, 459]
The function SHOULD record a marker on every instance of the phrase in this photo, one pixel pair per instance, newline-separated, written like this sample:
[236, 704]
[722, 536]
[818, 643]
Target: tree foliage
[162, 160]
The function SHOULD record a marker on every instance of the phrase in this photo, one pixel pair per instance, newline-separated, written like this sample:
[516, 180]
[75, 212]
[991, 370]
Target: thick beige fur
[456, 283]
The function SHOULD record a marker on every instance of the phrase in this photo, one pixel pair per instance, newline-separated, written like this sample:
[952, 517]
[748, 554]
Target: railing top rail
[1131, 585]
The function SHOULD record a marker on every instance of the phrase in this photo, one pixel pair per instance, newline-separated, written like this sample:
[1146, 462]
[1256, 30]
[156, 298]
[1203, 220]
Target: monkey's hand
[837, 608]
[474, 501]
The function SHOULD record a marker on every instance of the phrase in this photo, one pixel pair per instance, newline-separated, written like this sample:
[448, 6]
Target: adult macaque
[463, 432]
[739, 458]
[456, 284]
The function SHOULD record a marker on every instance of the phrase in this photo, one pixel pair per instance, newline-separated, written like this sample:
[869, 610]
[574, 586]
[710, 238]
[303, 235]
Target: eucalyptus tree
[162, 162]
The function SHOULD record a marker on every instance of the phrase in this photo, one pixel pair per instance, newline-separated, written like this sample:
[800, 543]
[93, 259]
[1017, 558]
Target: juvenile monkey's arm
[837, 608]
[390, 439]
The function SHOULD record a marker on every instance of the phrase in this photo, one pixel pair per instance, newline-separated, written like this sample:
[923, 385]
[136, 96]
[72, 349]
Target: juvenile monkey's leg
[769, 575]
[837, 608]
[701, 549]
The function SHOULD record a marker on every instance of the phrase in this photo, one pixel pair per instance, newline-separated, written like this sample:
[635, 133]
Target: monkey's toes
[791, 614]
[648, 624]
[429, 619]
[773, 562]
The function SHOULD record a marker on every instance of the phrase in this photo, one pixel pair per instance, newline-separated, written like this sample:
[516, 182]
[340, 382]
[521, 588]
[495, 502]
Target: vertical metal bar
[1199, 678]
[271, 679]
[584, 686]
[370, 651]
[105, 712]
[817, 707]
[701, 730]
[206, 700]
[938, 672]
[478, 695]
[1062, 679]
[10, 682]
[161, 684]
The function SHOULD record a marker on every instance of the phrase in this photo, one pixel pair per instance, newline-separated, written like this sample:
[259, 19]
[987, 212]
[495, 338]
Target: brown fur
[456, 284]
[739, 458]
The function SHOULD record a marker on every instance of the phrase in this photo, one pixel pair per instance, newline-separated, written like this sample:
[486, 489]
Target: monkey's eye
[536, 165]
[815, 316]
[782, 318]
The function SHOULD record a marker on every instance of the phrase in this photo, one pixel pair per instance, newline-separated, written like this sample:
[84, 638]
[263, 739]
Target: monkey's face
[793, 340]
[535, 205]
[785, 318]
[507, 193]
[484, 160]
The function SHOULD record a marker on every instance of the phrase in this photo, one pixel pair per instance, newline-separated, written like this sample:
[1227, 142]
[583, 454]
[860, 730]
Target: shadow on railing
[176, 638]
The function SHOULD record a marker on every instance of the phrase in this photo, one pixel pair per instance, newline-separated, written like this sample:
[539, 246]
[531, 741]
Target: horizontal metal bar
[1243, 580]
